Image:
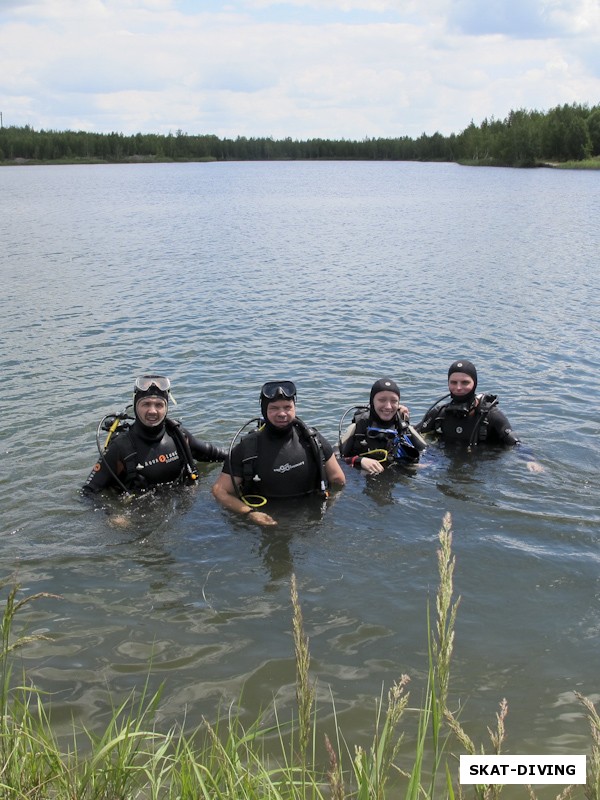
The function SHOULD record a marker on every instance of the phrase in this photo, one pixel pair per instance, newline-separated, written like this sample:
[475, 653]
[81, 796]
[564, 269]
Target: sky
[334, 69]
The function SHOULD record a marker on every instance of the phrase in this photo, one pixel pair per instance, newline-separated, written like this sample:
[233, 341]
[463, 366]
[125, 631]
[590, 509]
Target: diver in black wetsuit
[154, 450]
[284, 458]
[381, 434]
[468, 417]
[471, 418]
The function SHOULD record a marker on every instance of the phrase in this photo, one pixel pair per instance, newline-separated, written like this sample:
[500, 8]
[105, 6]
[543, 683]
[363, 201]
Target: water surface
[332, 274]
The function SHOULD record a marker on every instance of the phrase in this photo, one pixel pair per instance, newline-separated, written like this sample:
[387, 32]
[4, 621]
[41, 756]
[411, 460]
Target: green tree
[565, 134]
[593, 126]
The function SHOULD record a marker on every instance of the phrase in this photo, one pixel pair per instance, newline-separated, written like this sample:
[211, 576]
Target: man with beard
[152, 451]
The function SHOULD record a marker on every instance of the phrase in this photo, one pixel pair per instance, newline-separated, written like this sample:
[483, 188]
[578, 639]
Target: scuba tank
[111, 423]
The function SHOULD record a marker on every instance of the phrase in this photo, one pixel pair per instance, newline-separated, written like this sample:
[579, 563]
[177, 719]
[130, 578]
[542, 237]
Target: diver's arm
[427, 423]
[105, 471]
[225, 494]
[499, 422]
[335, 474]
[368, 465]
[350, 452]
[205, 451]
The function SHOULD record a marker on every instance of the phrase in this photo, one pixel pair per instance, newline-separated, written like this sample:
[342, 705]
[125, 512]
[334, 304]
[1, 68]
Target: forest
[567, 133]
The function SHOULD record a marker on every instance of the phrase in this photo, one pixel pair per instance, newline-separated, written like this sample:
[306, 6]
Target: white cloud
[249, 68]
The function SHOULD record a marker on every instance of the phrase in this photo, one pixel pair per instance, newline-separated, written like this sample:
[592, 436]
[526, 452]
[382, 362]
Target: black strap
[249, 454]
[173, 427]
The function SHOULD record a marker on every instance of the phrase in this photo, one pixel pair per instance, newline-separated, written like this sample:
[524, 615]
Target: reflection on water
[224, 275]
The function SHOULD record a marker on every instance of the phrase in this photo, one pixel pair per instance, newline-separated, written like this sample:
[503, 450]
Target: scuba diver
[467, 417]
[380, 434]
[470, 418]
[152, 450]
[282, 458]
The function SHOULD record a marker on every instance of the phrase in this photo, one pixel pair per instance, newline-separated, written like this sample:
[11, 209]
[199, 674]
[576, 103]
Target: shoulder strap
[480, 429]
[317, 452]
[249, 454]
[173, 427]
[361, 420]
[128, 454]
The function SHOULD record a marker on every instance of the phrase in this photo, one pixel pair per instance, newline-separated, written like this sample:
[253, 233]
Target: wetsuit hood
[466, 366]
[382, 385]
[151, 391]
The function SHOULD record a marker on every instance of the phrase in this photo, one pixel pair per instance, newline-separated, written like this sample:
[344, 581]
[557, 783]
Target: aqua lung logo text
[164, 458]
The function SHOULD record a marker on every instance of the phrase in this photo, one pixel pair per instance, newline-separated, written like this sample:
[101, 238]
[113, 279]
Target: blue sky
[301, 68]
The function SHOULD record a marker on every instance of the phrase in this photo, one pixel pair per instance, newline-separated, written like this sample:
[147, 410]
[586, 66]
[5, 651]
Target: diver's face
[281, 413]
[460, 384]
[151, 411]
[385, 405]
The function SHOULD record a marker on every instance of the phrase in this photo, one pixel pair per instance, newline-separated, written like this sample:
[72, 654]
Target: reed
[305, 690]
[592, 788]
[132, 760]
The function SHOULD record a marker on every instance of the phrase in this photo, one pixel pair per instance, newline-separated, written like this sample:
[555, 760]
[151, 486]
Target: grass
[132, 760]
[586, 163]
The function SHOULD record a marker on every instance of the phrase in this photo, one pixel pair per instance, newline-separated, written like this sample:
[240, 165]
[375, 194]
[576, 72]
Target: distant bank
[567, 136]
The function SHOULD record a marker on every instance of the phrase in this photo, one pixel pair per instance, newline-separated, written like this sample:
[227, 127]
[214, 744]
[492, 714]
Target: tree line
[524, 138]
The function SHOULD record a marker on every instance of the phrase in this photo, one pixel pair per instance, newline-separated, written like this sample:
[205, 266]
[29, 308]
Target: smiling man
[284, 458]
[153, 450]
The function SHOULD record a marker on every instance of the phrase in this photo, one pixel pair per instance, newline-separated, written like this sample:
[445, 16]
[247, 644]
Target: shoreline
[589, 164]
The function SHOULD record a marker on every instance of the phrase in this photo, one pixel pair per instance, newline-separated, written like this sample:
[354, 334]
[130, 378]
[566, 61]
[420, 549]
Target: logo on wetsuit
[161, 459]
[287, 467]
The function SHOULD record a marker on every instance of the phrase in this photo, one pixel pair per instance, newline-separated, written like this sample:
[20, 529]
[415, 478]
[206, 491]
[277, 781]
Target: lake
[332, 274]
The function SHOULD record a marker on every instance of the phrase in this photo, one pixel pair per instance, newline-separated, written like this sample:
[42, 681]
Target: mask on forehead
[151, 386]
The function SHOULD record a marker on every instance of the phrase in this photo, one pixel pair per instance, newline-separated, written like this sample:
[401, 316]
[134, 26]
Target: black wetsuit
[278, 463]
[373, 434]
[460, 421]
[143, 457]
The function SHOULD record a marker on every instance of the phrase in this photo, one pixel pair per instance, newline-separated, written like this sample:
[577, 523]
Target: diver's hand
[261, 518]
[118, 521]
[533, 466]
[370, 466]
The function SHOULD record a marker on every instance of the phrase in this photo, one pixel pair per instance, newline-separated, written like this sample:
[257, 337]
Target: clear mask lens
[144, 382]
